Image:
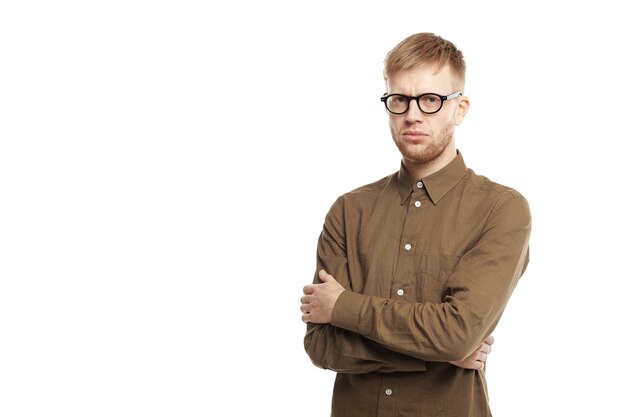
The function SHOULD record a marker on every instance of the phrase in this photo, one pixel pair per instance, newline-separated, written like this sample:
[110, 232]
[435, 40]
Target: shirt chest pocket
[432, 277]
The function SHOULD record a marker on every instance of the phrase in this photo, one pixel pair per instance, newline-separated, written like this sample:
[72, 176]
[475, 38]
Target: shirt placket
[403, 286]
[386, 398]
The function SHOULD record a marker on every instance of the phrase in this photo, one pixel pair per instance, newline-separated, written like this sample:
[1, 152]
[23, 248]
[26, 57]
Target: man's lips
[414, 136]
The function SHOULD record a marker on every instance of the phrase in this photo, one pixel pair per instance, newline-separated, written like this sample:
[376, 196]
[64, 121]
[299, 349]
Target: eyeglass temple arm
[453, 95]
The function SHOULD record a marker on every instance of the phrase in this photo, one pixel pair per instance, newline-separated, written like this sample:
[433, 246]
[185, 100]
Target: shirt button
[420, 184]
[400, 292]
[407, 246]
[388, 391]
[417, 204]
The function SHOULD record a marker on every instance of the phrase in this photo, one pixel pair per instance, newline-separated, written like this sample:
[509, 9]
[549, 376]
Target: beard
[423, 154]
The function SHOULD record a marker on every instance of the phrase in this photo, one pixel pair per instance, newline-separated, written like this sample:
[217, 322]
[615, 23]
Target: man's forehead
[422, 75]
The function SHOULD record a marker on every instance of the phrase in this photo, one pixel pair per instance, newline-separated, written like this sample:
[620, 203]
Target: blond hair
[426, 48]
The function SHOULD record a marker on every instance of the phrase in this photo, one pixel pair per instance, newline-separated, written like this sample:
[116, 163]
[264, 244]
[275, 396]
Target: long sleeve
[337, 349]
[475, 294]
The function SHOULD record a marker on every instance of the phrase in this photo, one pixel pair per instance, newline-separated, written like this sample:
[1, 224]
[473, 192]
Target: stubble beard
[428, 153]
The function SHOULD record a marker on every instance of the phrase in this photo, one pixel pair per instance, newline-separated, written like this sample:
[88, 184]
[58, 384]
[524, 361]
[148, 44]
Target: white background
[165, 168]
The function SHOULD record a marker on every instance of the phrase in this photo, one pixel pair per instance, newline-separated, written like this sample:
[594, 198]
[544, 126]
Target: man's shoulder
[372, 188]
[494, 197]
[365, 195]
[483, 184]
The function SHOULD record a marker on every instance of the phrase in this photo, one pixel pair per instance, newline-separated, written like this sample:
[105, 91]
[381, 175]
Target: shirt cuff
[347, 310]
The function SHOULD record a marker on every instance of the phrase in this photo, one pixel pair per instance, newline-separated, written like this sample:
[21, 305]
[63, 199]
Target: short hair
[425, 48]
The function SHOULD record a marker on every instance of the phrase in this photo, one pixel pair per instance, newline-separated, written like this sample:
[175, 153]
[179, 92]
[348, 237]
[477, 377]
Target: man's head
[423, 129]
[426, 49]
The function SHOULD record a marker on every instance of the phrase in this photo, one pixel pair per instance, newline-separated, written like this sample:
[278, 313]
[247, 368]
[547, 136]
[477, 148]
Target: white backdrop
[165, 168]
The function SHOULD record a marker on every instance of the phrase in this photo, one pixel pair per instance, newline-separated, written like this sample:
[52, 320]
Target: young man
[415, 270]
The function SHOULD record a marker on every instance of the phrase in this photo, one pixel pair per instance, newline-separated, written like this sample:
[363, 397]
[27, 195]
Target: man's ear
[462, 108]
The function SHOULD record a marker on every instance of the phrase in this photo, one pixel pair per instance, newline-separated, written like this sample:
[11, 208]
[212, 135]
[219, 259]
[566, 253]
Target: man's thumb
[325, 276]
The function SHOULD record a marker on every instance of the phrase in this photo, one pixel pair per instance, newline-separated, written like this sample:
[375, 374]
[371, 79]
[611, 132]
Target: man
[415, 270]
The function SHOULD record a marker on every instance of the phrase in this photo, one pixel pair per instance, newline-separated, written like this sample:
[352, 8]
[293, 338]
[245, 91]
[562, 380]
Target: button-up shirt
[429, 265]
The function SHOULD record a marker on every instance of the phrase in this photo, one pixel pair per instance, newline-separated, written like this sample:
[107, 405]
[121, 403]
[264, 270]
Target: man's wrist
[346, 311]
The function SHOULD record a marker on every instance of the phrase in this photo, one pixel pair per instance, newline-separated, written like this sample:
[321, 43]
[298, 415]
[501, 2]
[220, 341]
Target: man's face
[426, 138]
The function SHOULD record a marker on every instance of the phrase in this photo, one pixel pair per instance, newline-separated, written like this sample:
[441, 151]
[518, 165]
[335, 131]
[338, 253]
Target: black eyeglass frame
[386, 96]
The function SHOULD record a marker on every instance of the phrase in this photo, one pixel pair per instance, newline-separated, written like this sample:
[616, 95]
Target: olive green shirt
[429, 266]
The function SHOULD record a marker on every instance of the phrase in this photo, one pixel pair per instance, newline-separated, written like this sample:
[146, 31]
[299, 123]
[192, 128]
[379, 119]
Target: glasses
[428, 103]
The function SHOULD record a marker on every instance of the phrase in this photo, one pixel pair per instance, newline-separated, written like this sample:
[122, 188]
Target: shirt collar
[436, 184]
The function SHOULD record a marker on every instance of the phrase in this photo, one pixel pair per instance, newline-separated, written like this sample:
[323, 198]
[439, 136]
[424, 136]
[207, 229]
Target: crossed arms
[356, 333]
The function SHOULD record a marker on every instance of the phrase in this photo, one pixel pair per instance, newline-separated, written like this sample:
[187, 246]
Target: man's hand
[477, 359]
[319, 299]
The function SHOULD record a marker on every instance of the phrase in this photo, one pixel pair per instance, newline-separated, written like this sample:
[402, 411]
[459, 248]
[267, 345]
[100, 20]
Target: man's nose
[414, 114]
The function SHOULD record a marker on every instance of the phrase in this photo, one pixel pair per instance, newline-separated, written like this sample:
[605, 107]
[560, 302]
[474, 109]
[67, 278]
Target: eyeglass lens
[398, 103]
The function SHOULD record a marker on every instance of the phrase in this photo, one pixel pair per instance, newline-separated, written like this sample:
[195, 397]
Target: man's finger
[489, 340]
[325, 276]
[308, 289]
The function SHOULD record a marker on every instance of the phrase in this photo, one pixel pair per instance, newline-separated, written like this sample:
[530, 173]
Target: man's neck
[420, 170]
